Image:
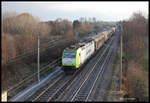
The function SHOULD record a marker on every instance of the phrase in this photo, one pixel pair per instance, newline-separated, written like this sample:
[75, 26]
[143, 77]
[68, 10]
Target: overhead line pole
[38, 59]
[121, 59]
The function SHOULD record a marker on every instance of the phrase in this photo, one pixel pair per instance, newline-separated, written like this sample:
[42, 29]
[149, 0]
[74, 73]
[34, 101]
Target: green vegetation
[147, 93]
[146, 64]
[123, 54]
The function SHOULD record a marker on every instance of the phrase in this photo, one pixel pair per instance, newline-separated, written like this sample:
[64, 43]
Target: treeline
[135, 31]
[20, 32]
[85, 26]
[135, 43]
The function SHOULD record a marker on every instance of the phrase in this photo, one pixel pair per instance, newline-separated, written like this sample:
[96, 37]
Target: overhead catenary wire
[31, 50]
[34, 51]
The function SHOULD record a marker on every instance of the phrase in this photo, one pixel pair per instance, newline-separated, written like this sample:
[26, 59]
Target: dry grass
[137, 81]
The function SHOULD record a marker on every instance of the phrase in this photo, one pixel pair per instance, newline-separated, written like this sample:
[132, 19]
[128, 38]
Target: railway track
[84, 90]
[74, 90]
[51, 89]
[66, 86]
[82, 77]
[54, 87]
[93, 94]
[43, 88]
[84, 93]
[24, 83]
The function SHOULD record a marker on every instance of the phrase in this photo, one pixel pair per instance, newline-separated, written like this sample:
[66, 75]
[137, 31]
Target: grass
[146, 64]
[147, 92]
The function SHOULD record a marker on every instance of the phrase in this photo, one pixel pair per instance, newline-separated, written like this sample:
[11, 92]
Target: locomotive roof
[101, 32]
[80, 44]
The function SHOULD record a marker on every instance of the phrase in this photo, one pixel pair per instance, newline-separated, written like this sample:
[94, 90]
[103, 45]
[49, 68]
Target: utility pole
[121, 58]
[38, 59]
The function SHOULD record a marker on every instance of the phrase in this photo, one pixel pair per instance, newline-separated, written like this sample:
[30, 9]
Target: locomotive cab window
[69, 55]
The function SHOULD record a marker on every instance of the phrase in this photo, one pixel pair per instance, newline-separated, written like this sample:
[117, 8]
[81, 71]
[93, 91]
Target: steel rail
[47, 89]
[99, 74]
[64, 85]
[86, 78]
[52, 88]
[98, 79]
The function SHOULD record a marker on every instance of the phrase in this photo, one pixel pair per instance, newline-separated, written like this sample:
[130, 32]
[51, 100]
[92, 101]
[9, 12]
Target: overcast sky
[106, 11]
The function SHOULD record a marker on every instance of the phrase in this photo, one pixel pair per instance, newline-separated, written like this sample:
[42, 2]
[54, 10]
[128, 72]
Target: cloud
[106, 7]
[109, 10]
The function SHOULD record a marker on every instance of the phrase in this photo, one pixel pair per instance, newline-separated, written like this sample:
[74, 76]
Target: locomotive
[76, 55]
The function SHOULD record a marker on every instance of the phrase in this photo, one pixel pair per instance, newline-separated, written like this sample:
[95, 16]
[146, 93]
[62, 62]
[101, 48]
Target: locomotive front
[69, 60]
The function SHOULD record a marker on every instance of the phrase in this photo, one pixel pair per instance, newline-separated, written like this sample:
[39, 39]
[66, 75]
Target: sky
[106, 11]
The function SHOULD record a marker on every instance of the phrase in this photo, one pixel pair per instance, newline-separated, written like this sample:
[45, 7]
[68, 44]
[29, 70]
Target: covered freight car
[99, 40]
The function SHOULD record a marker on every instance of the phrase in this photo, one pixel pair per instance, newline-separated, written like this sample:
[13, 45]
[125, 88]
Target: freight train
[76, 55]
